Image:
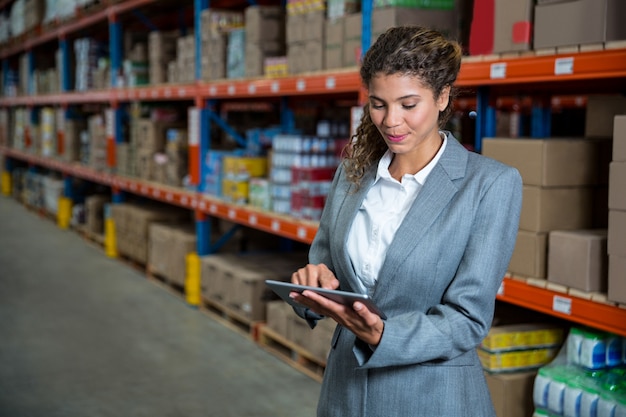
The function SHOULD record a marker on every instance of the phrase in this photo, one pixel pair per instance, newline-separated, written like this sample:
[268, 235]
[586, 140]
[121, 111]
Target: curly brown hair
[407, 50]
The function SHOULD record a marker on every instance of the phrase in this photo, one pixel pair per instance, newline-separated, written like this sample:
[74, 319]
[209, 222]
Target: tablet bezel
[343, 297]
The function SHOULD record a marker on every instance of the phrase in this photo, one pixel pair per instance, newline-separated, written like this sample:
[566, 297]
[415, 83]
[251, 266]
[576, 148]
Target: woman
[423, 226]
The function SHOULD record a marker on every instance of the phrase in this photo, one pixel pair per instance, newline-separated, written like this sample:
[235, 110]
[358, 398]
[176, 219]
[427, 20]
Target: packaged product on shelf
[48, 132]
[260, 194]
[94, 212]
[339, 8]
[587, 378]
[235, 54]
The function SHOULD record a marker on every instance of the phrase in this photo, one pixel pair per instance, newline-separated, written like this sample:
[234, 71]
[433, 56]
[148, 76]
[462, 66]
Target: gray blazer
[437, 287]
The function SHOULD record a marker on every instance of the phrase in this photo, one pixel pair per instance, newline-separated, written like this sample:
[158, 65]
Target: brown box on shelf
[168, 248]
[512, 393]
[617, 186]
[553, 162]
[556, 208]
[94, 213]
[616, 243]
[578, 22]
[600, 114]
[213, 283]
[279, 313]
[619, 138]
[333, 43]
[151, 135]
[71, 139]
[578, 259]
[249, 294]
[352, 45]
[256, 55]
[617, 279]
[444, 21]
[265, 23]
[321, 337]
[294, 28]
[530, 254]
[314, 54]
[314, 24]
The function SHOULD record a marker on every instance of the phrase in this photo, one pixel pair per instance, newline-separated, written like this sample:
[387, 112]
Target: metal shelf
[578, 66]
[597, 314]
[289, 227]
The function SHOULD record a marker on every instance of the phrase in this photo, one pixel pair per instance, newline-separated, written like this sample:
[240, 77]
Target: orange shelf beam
[609, 63]
[575, 309]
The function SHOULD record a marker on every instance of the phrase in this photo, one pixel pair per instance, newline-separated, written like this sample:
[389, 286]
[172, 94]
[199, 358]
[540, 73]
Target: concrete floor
[87, 336]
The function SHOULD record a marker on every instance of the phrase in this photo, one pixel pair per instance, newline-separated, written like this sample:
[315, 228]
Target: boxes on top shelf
[501, 26]
[578, 22]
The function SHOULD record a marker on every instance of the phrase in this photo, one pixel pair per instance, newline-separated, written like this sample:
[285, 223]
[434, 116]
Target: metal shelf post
[366, 25]
[203, 233]
[115, 49]
[485, 118]
[198, 7]
[541, 117]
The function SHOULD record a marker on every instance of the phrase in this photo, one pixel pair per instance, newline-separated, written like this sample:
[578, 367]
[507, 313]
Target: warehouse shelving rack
[489, 81]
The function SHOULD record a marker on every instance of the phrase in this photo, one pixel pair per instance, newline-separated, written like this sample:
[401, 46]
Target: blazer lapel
[437, 192]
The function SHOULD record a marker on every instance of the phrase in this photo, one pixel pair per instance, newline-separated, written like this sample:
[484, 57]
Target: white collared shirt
[377, 220]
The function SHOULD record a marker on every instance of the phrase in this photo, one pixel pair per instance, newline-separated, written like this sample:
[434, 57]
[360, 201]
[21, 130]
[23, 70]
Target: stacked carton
[560, 177]
[169, 244]
[150, 148]
[617, 214]
[216, 24]
[132, 226]
[161, 50]
[264, 37]
[305, 38]
[96, 148]
[236, 282]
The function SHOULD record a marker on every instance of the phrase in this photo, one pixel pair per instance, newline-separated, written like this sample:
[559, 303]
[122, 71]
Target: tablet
[344, 297]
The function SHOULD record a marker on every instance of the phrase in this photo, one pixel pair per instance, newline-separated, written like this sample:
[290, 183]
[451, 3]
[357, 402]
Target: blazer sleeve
[462, 318]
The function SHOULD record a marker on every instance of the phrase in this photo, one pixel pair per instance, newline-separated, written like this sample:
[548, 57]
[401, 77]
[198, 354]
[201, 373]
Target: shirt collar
[384, 162]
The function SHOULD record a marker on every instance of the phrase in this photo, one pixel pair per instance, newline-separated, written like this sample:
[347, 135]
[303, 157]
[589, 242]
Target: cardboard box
[616, 243]
[516, 360]
[444, 21]
[501, 26]
[530, 254]
[557, 208]
[578, 22]
[553, 162]
[264, 23]
[168, 248]
[333, 45]
[314, 54]
[578, 259]
[314, 24]
[278, 315]
[352, 45]
[294, 29]
[617, 186]
[600, 114]
[94, 212]
[617, 279]
[512, 394]
[619, 138]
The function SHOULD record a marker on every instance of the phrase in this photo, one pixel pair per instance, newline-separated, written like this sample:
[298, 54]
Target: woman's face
[405, 112]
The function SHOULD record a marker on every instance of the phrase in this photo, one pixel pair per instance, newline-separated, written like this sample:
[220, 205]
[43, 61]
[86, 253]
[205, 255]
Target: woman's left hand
[357, 318]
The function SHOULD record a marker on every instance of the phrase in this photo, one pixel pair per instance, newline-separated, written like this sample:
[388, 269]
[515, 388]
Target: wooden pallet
[290, 352]
[88, 235]
[231, 318]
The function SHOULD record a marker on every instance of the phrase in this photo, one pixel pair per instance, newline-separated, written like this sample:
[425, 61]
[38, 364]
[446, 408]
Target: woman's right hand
[315, 276]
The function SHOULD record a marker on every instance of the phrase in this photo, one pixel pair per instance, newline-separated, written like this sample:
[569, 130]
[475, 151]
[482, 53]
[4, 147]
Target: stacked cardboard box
[559, 177]
[97, 145]
[283, 321]
[161, 50]
[169, 245]
[94, 213]
[617, 215]
[185, 59]
[132, 226]
[216, 24]
[236, 282]
[151, 139]
[578, 23]
[264, 37]
[305, 39]
[176, 152]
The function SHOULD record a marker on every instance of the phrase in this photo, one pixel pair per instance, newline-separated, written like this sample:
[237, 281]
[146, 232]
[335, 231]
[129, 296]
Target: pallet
[572, 49]
[88, 235]
[231, 318]
[293, 354]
